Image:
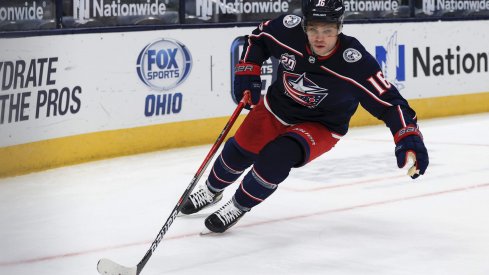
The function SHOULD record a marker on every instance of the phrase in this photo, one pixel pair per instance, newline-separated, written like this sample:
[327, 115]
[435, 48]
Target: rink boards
[67, 99]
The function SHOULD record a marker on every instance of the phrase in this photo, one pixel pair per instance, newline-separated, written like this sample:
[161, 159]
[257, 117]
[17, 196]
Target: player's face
[322, 37]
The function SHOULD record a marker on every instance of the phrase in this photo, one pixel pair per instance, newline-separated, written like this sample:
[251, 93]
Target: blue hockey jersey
[324, 89]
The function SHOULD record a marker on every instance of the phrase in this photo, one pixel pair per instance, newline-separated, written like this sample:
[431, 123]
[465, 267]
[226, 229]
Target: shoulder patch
[291, 20]
[352, 55]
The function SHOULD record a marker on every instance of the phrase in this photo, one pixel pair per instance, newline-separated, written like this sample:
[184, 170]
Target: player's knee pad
[277, 158]
[236, 157]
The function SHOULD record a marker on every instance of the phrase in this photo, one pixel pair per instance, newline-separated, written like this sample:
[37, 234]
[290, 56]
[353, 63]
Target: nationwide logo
[430, 61]
[391, 58]
[430, 6]
[81, 9]
[302, 90]
[86, 9]
[205, 9]
[164, 64]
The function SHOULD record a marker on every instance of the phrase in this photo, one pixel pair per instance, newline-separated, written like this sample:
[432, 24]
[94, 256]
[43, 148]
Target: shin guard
[272, 167]
[229, 165]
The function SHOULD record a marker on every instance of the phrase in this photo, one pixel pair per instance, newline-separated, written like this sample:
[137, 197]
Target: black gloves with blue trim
[247, 78]
[409, 144]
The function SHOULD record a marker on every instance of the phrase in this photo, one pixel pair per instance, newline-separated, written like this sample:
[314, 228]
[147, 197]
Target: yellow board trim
[37, 156]
[46, 154]
[434, 107]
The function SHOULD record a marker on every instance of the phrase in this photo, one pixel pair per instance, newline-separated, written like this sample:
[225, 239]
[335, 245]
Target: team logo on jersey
[302, 90]
[291, 20]
[351, 55]
[164, 64]
[288, 61]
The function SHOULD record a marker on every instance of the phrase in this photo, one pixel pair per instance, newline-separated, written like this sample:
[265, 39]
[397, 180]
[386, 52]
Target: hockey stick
[108, 267]
[412, 160]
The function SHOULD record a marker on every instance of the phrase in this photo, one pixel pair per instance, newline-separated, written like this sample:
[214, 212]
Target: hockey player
[322, 77]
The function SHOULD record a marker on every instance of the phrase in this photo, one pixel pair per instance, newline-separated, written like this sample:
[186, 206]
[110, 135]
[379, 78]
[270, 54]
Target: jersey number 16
[379, 82]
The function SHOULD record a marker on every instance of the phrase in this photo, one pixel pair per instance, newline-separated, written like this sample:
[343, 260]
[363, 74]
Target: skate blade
[201, 213]
[207, 232]
[194, 215]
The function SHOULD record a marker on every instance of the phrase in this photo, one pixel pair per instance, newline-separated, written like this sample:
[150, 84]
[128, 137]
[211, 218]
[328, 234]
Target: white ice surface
[352, 211]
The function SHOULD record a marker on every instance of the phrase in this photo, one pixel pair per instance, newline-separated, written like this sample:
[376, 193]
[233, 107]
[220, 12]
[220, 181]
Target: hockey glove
[247, 78]
[409, 144]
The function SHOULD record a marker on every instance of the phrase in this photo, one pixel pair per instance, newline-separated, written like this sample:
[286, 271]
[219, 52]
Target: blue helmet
[327, 11]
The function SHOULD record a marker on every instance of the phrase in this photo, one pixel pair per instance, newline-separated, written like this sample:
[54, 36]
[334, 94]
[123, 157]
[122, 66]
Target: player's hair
[326, 11]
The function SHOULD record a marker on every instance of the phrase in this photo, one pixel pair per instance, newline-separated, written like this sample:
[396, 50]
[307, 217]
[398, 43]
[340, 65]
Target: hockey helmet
[328, 11]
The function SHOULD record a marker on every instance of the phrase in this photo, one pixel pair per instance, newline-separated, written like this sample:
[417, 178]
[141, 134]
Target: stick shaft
[194, 181]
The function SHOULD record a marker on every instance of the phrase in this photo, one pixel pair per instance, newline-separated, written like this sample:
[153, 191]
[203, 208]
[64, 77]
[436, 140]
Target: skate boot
[224, 218]
[199, 200]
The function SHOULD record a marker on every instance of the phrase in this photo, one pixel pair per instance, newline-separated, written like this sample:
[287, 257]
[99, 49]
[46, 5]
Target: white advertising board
[73, 84]
[430, 59]
[64, 85]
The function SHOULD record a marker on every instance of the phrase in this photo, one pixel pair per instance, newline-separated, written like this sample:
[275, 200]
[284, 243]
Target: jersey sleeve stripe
[274, 40]
[245, 59]
[358, 85]
[401, 116]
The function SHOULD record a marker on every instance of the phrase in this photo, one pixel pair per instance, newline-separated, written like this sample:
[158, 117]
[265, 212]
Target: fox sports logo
[164, 64]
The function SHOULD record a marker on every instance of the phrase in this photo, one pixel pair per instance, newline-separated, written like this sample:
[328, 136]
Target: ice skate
[221, 220]
[199, 200]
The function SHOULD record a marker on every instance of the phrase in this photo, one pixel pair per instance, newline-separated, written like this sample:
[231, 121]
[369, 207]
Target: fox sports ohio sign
[164, 64]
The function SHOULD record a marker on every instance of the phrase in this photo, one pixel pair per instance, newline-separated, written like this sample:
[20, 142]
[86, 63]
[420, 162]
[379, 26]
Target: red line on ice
[319, 213]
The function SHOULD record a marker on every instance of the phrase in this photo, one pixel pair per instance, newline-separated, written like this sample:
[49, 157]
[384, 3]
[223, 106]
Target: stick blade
[412, 163]
[108, 267]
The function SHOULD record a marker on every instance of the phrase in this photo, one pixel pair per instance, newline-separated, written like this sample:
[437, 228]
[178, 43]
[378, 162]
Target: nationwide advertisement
[29, 10]
[240, 10]
[419, 68]
[371, 5]
[431, 7]
[84, 10]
